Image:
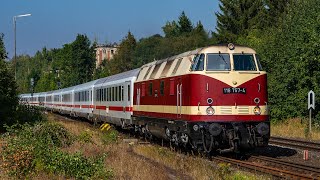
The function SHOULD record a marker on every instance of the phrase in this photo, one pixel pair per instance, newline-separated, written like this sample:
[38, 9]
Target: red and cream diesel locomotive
[212, 98]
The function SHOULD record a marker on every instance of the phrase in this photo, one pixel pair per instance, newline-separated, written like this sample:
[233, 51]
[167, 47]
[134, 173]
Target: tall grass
[295, 128]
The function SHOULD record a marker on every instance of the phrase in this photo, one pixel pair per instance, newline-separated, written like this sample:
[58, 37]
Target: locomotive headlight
[257, 110]
[210, 110]
[209, 101]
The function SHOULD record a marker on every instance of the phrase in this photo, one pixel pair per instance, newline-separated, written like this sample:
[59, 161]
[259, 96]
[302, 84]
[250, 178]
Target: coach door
[126, 90]
[179, 98]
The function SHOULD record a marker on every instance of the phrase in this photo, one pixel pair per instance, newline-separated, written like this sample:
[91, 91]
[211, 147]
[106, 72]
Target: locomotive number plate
[234, 90]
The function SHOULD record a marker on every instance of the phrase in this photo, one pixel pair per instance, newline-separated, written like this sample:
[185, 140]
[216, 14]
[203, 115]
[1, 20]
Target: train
[211, 99]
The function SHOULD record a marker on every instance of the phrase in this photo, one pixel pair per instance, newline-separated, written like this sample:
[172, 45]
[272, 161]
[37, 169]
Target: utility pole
[15, 42]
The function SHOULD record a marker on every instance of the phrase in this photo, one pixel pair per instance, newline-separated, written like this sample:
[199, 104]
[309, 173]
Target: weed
[35, 148]
[162, 152]
[224, 170]
[85, 136]
[110, 136]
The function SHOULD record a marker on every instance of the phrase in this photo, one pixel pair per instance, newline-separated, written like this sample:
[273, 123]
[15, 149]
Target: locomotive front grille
[226, 110]
[243, 109]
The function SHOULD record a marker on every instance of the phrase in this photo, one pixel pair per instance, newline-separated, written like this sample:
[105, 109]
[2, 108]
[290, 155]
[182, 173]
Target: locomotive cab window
[258, 62]
[244, 62]
[218, 62]
[198, 63]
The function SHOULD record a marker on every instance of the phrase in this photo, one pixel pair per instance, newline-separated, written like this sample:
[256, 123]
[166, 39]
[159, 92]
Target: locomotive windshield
[258, 62]
[218, 62]
[198, 63]
[244, 62]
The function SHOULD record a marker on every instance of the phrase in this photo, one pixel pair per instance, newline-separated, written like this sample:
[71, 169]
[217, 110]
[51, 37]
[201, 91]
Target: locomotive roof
[124, 75]
[188, 53]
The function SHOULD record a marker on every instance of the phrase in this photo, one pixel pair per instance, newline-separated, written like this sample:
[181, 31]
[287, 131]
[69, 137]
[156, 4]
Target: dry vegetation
[295, 128]
[138, 161]
[147, 161]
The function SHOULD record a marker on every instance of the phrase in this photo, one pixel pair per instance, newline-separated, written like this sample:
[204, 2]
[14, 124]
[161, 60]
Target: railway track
[289, 172]
[307, 145]
[312, 171]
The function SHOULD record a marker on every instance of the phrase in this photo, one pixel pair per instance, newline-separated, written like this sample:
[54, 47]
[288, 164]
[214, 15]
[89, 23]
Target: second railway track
[282, 170]
[308, 145]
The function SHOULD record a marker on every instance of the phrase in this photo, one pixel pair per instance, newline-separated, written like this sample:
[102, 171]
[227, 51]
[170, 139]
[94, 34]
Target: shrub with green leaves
[85, 136]
[110, 136]
[37, 148]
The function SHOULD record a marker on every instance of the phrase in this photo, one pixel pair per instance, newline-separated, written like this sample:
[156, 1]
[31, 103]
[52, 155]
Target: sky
[54, 23]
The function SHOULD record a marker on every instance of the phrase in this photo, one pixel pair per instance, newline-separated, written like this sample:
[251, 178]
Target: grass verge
[295, 128]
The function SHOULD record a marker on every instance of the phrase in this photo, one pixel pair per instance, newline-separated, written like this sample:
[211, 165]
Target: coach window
[120, 93]
[162, 88]
[150, 89]
[88, 95]
[198, 63]
[218, 62]
[112, 94]
[115, 93]
[244, 62]
[104, 94]
[128, 92]
[109, 94]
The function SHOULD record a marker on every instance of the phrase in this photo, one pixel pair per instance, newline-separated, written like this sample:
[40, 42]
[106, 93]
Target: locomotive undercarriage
[229, 137]
[205, 136]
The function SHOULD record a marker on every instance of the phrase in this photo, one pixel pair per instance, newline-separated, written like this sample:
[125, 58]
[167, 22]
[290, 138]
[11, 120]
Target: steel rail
[295, 143]
[314, 171]
[295, 140]
[264, 169]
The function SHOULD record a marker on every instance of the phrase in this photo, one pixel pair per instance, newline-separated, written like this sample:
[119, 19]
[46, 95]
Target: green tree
[76, 62]
[185, 25]
[124, 59]
[290, 53]
[8, 94]
[171, 29]
[237, 18]
[149, 49]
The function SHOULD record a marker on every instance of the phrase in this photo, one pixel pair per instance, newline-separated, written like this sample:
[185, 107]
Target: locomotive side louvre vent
[243, 109]
[166, 69]
[154, 72]
[226, 109]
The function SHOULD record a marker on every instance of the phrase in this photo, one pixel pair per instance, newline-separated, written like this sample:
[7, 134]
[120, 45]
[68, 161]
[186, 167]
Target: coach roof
[124, 75]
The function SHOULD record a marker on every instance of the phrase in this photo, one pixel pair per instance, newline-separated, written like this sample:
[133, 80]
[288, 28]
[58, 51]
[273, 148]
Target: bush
[110, 136]
[27, 114]
[33, 148]
[85, 136]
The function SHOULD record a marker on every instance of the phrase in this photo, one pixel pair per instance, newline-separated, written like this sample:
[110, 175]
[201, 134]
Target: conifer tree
[124, 59]
[185, 25]
[8, 94]
[171, 29]
[236, 18]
